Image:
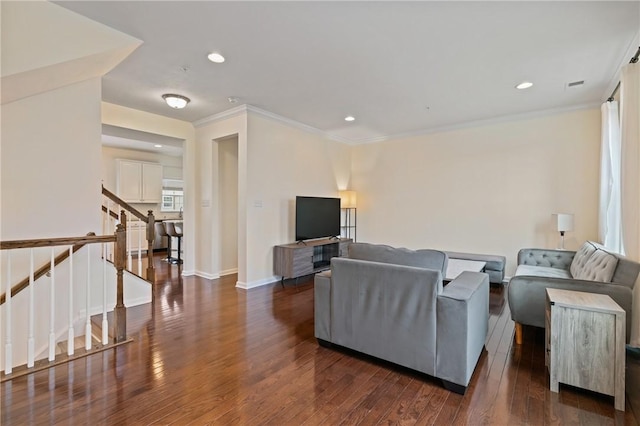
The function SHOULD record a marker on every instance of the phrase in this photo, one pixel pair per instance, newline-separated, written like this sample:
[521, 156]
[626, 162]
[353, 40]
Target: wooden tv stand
[299, 259]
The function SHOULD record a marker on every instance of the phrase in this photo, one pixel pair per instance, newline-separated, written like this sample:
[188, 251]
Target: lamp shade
[564, 222]
[347, 199]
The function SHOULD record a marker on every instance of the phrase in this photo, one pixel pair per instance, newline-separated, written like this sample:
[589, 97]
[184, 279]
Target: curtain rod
[632, 61]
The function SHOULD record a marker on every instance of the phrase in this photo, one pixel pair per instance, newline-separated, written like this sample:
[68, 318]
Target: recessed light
[232, 100]
[216, 57]
[524, 85]
[349, 118]
[176, 101]
[158, 146]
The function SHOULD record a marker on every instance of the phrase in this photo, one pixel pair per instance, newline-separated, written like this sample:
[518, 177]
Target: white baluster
[72, 335]
[105, 324]
[31, 341]
[110, 229]
[87, 327]
[129, 247]
[52, 304]
[8, 347]
[140, 247]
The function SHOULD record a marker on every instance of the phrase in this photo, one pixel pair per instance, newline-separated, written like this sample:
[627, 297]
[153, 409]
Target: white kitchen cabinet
[139, 182]
[136, 236]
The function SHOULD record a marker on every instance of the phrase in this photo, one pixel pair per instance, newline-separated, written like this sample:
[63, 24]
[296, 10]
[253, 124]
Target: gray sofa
[390, 303]
[591, 269]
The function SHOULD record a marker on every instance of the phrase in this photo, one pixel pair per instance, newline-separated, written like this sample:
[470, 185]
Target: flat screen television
[317, 217]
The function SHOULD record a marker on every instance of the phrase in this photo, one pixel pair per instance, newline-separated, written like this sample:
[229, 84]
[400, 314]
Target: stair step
[78, 343]
[43, 364]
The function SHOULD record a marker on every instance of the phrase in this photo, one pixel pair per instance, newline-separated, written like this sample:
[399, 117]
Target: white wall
[282, 162]
[171, 169]
[51, 153]
[228, 208]
[489, 189]
[276, 162]
[208, 222]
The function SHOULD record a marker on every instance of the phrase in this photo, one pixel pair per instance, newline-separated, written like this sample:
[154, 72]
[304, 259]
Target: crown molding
[477, 123]
[246, 109]
[233, 112]
[296, 124]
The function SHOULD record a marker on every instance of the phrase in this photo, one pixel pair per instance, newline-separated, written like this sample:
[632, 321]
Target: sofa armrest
[527, 296]
[560, 259]
[463, 315]
[322, 305]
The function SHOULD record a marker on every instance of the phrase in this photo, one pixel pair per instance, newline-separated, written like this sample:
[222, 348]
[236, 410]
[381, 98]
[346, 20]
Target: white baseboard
[188, 273]
[229, 272]
[207, 275]
[256, 283]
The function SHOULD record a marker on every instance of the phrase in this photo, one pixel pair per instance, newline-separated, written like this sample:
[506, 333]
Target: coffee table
[457, 266]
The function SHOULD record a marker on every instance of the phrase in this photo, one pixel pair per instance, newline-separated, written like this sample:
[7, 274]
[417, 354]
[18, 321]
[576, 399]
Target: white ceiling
[119, 137]
[398, 67]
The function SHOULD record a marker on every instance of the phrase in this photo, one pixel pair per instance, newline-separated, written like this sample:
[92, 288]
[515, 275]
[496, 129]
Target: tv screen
[317, 217]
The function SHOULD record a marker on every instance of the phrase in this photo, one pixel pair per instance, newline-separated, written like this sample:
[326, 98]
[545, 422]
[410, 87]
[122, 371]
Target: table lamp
[564, 222]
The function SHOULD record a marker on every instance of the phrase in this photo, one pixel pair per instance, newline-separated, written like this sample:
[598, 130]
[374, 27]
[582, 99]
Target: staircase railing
[114, 209]
[73, 245]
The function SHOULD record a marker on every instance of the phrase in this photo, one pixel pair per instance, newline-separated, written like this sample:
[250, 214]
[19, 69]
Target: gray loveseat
[591, 269]
[390, 303]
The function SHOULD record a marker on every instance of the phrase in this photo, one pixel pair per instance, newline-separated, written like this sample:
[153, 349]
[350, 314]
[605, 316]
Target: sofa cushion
[581, 258]
[600, 267]
[429, 259]
[542, 271]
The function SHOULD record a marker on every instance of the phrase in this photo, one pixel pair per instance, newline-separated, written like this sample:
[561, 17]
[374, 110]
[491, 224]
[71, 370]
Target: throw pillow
[581, 258]
[600, 267]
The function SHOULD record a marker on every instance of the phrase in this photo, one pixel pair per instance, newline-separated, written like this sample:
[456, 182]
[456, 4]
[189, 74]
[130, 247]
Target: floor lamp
[348, 207]
[564, 222]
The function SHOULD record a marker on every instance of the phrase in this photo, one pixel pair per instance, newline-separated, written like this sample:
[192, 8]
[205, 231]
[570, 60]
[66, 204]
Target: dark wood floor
[207, 353]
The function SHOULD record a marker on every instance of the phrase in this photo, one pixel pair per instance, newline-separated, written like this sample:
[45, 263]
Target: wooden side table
[585, 334]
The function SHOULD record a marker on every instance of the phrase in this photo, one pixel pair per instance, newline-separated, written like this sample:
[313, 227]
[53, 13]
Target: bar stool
[175, 230]
[161, 232]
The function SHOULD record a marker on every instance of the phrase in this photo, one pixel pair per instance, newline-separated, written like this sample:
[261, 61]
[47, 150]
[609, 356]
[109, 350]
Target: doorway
[227, 178]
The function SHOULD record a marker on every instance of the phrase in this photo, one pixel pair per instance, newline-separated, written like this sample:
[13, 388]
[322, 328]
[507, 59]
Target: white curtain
[610, 210]
[630, 178]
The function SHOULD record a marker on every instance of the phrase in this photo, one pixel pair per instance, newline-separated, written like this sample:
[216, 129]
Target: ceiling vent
[575, 83]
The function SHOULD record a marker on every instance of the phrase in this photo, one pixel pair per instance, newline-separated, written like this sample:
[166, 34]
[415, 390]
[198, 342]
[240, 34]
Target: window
[172, 200]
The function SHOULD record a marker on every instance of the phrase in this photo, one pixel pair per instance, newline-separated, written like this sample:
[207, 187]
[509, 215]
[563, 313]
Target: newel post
[151, 230]
[120, 312]
[123, 220]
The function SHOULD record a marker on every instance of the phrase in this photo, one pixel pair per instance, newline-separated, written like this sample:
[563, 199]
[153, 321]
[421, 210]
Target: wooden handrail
[44, 269]
[149, 219]
[49, 242]
[111, 213]
[113, 197]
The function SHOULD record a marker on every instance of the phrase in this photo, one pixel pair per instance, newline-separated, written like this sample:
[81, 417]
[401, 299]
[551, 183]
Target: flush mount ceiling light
[349, 118]
[176, 101]
[158, 146]
[216, 57]
[524, 85]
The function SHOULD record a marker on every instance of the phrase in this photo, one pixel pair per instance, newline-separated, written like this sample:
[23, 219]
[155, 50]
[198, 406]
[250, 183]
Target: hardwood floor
[207, 353]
